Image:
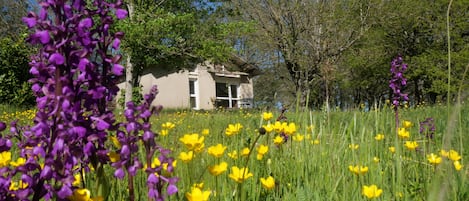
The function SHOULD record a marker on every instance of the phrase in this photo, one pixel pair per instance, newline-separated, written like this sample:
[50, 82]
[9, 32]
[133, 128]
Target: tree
[14, 72]
[309, 36]
[11, 13]
[173, 33]
[420, 36]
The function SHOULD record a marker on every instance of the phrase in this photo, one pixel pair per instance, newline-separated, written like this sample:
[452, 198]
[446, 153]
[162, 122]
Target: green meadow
[340, 155]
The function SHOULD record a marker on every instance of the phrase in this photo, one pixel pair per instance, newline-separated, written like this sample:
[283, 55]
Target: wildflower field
[312, 155]
[74, 145]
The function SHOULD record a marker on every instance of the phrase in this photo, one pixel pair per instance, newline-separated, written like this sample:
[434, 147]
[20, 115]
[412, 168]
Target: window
[193, 99]
[227, 95]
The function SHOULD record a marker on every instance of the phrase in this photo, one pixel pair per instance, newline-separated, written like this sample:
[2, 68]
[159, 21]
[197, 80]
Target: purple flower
[117, 69]
[398, 81]
[427, 128]
[121, 14]
[30, 21]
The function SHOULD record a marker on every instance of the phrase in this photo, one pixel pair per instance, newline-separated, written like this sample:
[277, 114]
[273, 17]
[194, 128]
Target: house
[205, 86]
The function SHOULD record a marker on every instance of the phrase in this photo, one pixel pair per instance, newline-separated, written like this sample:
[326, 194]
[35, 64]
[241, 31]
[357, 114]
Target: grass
[304, 170]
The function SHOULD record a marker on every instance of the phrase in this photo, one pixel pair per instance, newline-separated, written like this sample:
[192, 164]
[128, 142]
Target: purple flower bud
[125, 151]
[57, 59]
[85, 23]
[119, 173]
[83, 63]
[30, 21]
[131, 127]
[78, 130]
[100, 124]
[64, 192]
[43, 36]
[46, 172]
[38, 150]
[152, 179]
[172, 189]
[121, 14]
[117, 69]
[148, 135]
[89, 149]
[116, 43]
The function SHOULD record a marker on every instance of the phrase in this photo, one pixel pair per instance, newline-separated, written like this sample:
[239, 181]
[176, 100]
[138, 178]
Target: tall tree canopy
[309, 37]
[175, 33]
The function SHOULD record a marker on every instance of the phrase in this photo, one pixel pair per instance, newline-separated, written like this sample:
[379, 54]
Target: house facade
[206, 86]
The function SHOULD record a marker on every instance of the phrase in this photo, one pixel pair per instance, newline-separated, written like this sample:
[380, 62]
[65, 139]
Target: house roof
[236, 62]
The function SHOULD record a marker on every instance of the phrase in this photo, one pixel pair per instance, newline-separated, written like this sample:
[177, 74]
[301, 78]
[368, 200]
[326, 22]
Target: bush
[14, 73]
[137, 97]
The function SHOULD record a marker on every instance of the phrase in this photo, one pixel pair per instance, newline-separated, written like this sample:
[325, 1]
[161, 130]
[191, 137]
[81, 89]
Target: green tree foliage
[309, 37]
[14, 73]
[11, 13]
[416, 30]
[176, 33]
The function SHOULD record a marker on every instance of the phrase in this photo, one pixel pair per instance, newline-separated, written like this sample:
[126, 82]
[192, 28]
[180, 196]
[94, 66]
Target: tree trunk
[129, 67]
[128, 81]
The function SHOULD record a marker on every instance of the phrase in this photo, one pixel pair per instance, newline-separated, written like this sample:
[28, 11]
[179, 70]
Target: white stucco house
[205, 86]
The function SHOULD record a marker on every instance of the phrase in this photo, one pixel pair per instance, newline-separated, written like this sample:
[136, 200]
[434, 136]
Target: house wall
[173, 87]
[206, 88]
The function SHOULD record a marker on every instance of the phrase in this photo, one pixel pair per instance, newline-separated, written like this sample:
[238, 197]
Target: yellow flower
[218, 169]
[444, 153]
[77, 180]
[245, 151]
[268, 128]
[17, 185]
[168, 126]
[113, 156]
[298, 138]
[164, 132]
[403, 133]
[316, 141]
[371, 191]
[19, 162]
[267, 116]
[186, 156]
[261, 150]
[407, 124]
[217, 150]
[198, 185]
[268, 183]
[278, 127]
[379, 137]
[193, 142]
[454, 155]
[457, 165]
[197, 194]
[5, 158]
[233, 129]
[155, 163]
[353, 146]
[376, 159]
[115, 141]
[239, 174]
[392, 149]
[434, 159]
[290, 129]
[278, 140]
[80, 194]
[411, 145]
[358, 170]
[233, 154]
[205, 131]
